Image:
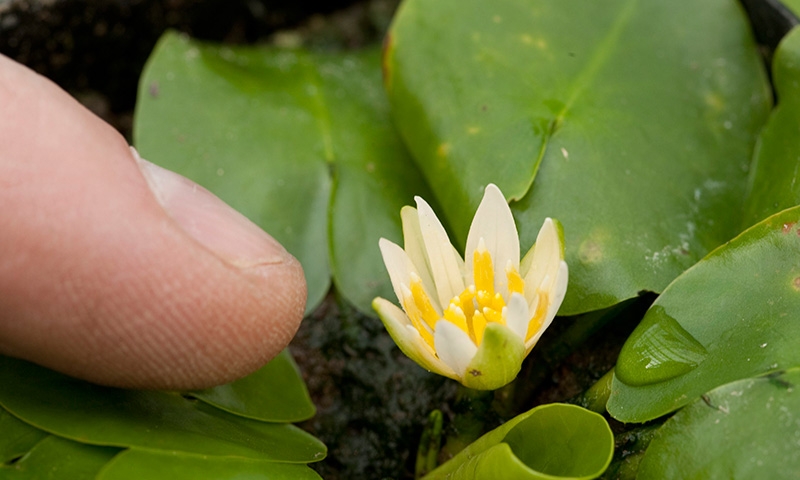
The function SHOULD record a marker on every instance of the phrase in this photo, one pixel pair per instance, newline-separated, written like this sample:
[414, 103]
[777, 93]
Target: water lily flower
[473, 319]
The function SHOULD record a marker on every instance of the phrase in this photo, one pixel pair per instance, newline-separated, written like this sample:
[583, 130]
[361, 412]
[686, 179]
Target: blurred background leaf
[301, 143]
[775, 176]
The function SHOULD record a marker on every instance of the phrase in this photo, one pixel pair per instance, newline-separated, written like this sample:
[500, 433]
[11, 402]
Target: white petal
[557, 293]
[445, 263]
[408, 338]
[546, 260]
[517, 315]
[556, 296]
[397, 264]
[415, 248]
[494, 223]
[453, 346]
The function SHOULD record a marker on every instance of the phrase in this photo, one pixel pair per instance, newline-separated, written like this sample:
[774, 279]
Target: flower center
[471, 310]
[479, 304]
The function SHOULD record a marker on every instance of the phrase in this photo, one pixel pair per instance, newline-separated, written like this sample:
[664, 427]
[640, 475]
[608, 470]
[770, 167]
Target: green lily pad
[275, 393]
[17, 437]
[555, 441]
[139, 464]
[743, 430]
[301, 143]
[775, 178]
[56, 458]
[732, 316]
[637, 120]
[153, 420]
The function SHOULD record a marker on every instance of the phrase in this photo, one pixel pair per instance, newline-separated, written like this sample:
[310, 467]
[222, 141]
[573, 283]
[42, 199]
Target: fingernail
[210, 221]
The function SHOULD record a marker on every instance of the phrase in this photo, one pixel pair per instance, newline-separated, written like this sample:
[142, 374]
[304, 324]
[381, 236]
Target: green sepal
[498, 360]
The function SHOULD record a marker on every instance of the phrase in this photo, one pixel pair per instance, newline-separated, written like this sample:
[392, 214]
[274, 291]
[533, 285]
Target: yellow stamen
[497, 302]
[495, 316]
[515, 282]
[416, 319]
[538, 316]
[477, 328]
[467, 302]
[483, 273]
[455, 315]
[423, 303]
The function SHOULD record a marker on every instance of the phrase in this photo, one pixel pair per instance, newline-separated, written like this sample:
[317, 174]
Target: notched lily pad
[633, 121]
[732, 316]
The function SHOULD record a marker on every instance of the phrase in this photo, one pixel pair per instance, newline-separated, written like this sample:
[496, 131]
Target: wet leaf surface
[731, 316]
[745, 429]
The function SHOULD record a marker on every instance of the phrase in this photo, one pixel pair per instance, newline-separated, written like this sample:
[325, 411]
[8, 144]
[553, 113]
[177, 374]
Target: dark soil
[96, 49]
[372, 401]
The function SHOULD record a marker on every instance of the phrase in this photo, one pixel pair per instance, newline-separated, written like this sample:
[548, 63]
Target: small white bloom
[474, 320]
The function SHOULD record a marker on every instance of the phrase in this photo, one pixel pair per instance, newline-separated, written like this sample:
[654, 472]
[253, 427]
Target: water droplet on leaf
[658, 350]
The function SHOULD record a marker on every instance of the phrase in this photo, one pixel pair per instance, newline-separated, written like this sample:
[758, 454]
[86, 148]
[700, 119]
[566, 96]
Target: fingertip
[107, 278]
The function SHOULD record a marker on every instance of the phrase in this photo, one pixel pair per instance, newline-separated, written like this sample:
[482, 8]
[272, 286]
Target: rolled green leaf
[747, 429]
[555, 441]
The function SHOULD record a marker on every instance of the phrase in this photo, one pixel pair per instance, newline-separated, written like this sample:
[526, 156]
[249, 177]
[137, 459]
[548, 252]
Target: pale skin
[120, 273]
